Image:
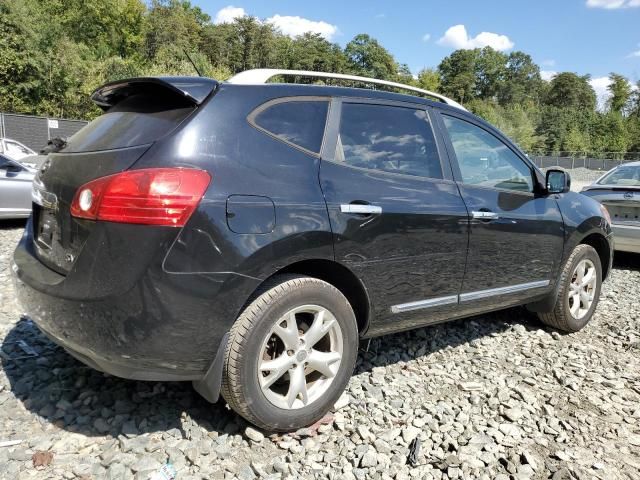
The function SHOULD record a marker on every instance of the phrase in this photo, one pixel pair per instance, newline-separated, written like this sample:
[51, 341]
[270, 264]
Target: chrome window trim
[432, 302]
[492, 292]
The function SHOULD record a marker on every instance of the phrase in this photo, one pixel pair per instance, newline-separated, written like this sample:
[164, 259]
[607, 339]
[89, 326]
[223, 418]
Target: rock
[253, 435]
[409, 433]
[246, 473]
[145, 463]
[513, 414]
[342, 402]
[101, 425]
[471, 386]
[369, 459]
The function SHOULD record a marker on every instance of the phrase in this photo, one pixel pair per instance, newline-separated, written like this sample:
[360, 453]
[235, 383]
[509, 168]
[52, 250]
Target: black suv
[246, 235]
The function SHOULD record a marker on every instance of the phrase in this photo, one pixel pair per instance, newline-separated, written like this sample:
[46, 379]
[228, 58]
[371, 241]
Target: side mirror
[558, 181]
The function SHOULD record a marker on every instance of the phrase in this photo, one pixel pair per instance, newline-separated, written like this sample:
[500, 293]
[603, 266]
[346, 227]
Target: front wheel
[578, 292]
[290, 353]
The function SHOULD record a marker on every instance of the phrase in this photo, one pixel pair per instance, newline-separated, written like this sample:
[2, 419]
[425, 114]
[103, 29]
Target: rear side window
[300, 123]
[136, 120]
[391, 139]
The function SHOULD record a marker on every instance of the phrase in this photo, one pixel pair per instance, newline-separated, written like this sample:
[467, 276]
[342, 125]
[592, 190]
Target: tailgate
[138, 112]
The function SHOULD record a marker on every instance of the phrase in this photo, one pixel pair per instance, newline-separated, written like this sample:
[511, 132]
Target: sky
[593, 37]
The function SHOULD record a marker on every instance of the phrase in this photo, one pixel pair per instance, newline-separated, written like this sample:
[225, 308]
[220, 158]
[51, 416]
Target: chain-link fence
[35, 132]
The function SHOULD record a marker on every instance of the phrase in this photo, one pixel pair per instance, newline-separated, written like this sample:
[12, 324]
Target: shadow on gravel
[626, 261]
[62, 390]
[14, 223]
[412, 344]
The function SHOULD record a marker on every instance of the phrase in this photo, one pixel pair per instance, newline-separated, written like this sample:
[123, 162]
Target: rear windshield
[136, 120]
[625, 175]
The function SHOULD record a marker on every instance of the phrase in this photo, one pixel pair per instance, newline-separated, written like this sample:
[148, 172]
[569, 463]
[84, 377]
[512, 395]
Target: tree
[568, 90]
[458, 75]
[172, 23]
[620, 91]
[522, 81]
[20, 60]
[490, 72]
[428, 79]
[368, 58]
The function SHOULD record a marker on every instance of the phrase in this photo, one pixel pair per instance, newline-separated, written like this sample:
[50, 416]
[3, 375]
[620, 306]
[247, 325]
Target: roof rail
[262, 75]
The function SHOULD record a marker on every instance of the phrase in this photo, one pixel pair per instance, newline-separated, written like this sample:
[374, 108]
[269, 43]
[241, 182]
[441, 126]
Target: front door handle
[485, 215]
[360, 208]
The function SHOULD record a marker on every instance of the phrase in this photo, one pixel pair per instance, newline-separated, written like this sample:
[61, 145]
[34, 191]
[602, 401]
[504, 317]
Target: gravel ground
[493, 397]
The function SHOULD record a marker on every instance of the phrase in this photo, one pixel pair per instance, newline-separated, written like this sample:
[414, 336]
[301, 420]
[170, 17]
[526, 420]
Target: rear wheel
[578, 292]
[290, 353]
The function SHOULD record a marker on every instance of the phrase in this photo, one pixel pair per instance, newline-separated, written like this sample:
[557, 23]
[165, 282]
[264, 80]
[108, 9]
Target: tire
[561, 317]
[253, 342]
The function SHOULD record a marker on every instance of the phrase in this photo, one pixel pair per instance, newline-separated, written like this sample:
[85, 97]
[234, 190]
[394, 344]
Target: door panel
[403, 234]
[516, 235]
[15, 192]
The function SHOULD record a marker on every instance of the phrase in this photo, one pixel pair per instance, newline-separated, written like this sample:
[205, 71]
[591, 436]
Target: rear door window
[388, 138]
[136, 120]
[298, 122]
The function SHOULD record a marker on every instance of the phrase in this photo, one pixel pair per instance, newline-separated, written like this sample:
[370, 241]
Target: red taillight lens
[153, 196]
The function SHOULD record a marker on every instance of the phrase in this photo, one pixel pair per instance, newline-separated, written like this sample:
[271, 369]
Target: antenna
[192, 62]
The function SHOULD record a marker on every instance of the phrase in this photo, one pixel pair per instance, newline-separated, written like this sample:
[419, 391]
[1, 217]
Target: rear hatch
[138, 112]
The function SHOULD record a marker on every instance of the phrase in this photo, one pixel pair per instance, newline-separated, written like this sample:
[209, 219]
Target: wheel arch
[601, 245]
[337, 275]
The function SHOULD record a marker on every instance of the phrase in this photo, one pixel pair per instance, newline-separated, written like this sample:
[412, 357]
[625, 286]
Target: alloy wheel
[300, 357]
[582, 289]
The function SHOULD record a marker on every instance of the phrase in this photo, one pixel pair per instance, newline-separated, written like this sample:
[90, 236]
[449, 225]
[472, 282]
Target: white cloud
[457, 37]
[547, 75]
[426, 37]
[381, 15]
[600, 85]
[228, 14]
[548, 63]
[634, 54]
[613, 4]
[294, 26]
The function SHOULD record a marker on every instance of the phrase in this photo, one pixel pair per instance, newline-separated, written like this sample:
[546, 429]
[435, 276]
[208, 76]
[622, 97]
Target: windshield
[624, 175]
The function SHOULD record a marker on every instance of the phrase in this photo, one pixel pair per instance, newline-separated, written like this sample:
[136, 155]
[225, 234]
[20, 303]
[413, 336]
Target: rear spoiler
[193, 89]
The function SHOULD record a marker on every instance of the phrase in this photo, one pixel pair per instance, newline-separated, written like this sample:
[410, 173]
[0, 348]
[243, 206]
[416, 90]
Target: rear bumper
[166, 327]
[627, 238]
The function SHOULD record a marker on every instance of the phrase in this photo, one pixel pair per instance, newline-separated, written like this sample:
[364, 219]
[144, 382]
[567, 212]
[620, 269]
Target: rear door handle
[485, 215]
[360, 208]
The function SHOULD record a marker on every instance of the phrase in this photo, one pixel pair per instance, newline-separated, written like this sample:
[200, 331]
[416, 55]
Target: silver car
[619, 191]
[15, 188]
[14, 149]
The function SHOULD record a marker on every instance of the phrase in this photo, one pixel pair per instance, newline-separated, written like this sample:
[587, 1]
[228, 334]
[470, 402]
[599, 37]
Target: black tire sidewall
[576, 324]
[310, 294]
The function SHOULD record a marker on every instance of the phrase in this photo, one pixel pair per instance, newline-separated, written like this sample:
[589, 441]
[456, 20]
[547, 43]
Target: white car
[14, 149]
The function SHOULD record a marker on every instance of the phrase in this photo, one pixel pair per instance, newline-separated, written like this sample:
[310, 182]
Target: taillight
[153, 196]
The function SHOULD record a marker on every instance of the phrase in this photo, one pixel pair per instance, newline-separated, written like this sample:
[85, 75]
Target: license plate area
[46, 228]
[624, 213]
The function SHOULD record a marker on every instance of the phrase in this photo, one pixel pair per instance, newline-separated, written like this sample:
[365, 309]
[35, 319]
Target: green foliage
[368, 58]
[568, 90]
[54, 53]
[620, 90]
